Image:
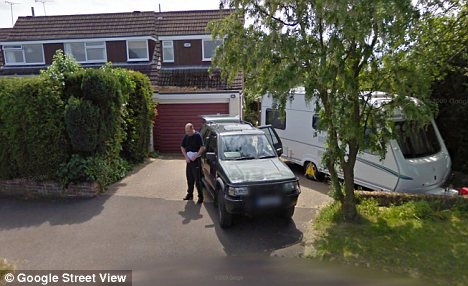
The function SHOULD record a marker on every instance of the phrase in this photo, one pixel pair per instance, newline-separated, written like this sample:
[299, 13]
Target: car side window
[211, 145]
[203, 132]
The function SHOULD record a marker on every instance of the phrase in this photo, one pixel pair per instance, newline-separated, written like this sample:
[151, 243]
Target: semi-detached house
[173, 48]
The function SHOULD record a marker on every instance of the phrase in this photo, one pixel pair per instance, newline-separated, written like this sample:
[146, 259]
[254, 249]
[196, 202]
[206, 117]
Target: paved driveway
[143, 223]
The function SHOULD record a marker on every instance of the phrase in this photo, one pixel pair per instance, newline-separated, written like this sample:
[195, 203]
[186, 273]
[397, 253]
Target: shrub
[107, 170]
[102, 88]
[82, 123]
[61, 65]
[138, 119]
[32, 129]
[102, 169]
[72, 87]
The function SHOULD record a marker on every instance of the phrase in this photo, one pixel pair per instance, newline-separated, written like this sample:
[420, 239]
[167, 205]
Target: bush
[107, 170]
[72, 84]
[102, 169]
[138, 119]
[61, 65]
[69, 124]
[82, 123]
[102, 88]
[32, 129]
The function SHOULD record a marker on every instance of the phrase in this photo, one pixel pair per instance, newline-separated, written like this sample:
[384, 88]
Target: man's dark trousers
[193, 173]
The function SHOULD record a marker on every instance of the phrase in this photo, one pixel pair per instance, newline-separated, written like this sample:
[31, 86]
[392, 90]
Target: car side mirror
[279, 151]
[211, 156]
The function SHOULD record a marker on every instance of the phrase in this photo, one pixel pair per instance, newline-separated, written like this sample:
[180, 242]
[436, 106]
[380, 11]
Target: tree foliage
[339, 51]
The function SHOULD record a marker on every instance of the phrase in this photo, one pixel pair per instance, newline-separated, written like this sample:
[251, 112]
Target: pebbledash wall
[30, 188]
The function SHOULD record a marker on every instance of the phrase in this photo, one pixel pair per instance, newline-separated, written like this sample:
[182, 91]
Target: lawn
[5, 267]
[416, 239]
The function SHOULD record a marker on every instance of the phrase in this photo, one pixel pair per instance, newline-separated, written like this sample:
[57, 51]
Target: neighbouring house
[173, 48]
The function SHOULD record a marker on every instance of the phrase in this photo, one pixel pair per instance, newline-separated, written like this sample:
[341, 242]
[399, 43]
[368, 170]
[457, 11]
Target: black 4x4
[242, 171]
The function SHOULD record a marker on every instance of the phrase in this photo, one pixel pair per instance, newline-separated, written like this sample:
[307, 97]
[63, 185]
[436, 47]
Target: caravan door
[273, 137]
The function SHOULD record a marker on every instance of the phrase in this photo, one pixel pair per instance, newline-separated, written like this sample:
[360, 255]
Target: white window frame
[20, 47]
[203, 48]
[104, 45]
[137, 60]
[173, 52]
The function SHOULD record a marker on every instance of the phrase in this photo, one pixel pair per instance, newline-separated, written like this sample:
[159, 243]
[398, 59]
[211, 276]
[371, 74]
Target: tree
[336, 50]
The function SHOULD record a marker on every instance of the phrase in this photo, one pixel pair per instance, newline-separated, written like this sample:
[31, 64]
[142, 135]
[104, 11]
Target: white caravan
[417, 162]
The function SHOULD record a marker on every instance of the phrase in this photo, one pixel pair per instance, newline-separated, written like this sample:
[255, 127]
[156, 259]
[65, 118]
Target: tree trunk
[349, 204]
[335, 182]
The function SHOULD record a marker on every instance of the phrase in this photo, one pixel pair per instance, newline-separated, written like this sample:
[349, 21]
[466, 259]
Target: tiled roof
[83, 26]
[112, 25]
[187, 22]
[196, 78]
[4, 33]
[124, 25]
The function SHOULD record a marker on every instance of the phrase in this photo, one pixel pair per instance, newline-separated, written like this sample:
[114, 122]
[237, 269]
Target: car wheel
[225, 218]
[288, 212]
[311, 172]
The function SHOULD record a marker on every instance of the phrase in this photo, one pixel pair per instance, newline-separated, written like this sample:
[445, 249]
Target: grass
[417, 239]
[5, 267]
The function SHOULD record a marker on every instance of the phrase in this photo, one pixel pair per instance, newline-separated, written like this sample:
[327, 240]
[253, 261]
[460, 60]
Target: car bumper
[249, 206]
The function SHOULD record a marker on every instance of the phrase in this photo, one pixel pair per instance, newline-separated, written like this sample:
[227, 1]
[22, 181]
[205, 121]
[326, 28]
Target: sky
[68, 7]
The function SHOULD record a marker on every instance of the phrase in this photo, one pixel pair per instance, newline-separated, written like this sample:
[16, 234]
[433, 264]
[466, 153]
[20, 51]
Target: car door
[209, 161]
[273, 137]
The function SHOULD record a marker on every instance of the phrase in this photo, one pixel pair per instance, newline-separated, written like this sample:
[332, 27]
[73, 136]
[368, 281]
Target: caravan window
[316, 123]
[416, 141]
[273, 118]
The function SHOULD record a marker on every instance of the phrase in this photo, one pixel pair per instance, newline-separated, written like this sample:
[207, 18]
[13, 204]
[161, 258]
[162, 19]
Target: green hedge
[82, 124]
[451, 94]
[33, 140]
[74, 125]
[139, 119]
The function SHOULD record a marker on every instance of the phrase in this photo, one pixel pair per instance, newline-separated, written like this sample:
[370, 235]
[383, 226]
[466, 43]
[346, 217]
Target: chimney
[159, 7]
[32, 11]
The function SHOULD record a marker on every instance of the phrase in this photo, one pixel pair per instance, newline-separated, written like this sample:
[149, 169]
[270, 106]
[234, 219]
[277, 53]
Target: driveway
[143, 224]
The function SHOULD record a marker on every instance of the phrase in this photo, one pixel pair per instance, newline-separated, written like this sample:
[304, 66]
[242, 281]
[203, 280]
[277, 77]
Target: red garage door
[171, 119]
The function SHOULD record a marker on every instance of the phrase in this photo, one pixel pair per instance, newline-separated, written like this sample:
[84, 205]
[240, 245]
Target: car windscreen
[245, 147]
[416, 141]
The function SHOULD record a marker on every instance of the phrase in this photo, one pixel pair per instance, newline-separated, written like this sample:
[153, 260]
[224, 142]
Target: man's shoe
[200, 200]
[188, 197]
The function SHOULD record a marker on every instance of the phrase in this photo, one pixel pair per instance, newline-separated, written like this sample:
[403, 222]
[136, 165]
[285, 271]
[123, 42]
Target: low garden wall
[30, 188]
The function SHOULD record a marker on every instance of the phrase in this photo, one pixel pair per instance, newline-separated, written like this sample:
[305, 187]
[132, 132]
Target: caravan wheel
[311, 172]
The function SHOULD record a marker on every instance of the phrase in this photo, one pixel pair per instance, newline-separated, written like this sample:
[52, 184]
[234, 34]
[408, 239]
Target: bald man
[192, 148]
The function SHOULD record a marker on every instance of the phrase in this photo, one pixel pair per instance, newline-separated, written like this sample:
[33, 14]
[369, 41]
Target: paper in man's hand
[192, 155]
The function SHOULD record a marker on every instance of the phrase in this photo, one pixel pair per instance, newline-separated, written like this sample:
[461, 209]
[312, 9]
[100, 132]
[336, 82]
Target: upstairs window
[168, 51]
[209, 48]
[24, 54]
[87, 52]
[137, 50]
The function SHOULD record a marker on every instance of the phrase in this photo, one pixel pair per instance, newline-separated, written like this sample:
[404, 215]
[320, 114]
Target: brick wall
[28, 188]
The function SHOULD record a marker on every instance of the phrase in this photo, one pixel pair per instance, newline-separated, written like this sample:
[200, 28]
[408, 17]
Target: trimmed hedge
[74, 125]
[82, 124]
[139, 119]
[33, 140]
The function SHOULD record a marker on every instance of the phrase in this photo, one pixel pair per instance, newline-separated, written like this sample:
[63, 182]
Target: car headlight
[242, 191]
[291, 186]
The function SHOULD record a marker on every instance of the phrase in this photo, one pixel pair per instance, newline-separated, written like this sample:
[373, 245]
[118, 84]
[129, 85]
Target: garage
[171, 119]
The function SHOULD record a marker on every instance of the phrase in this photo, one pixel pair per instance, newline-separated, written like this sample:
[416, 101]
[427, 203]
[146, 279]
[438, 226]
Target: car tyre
[288, 212]
[225, 218]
